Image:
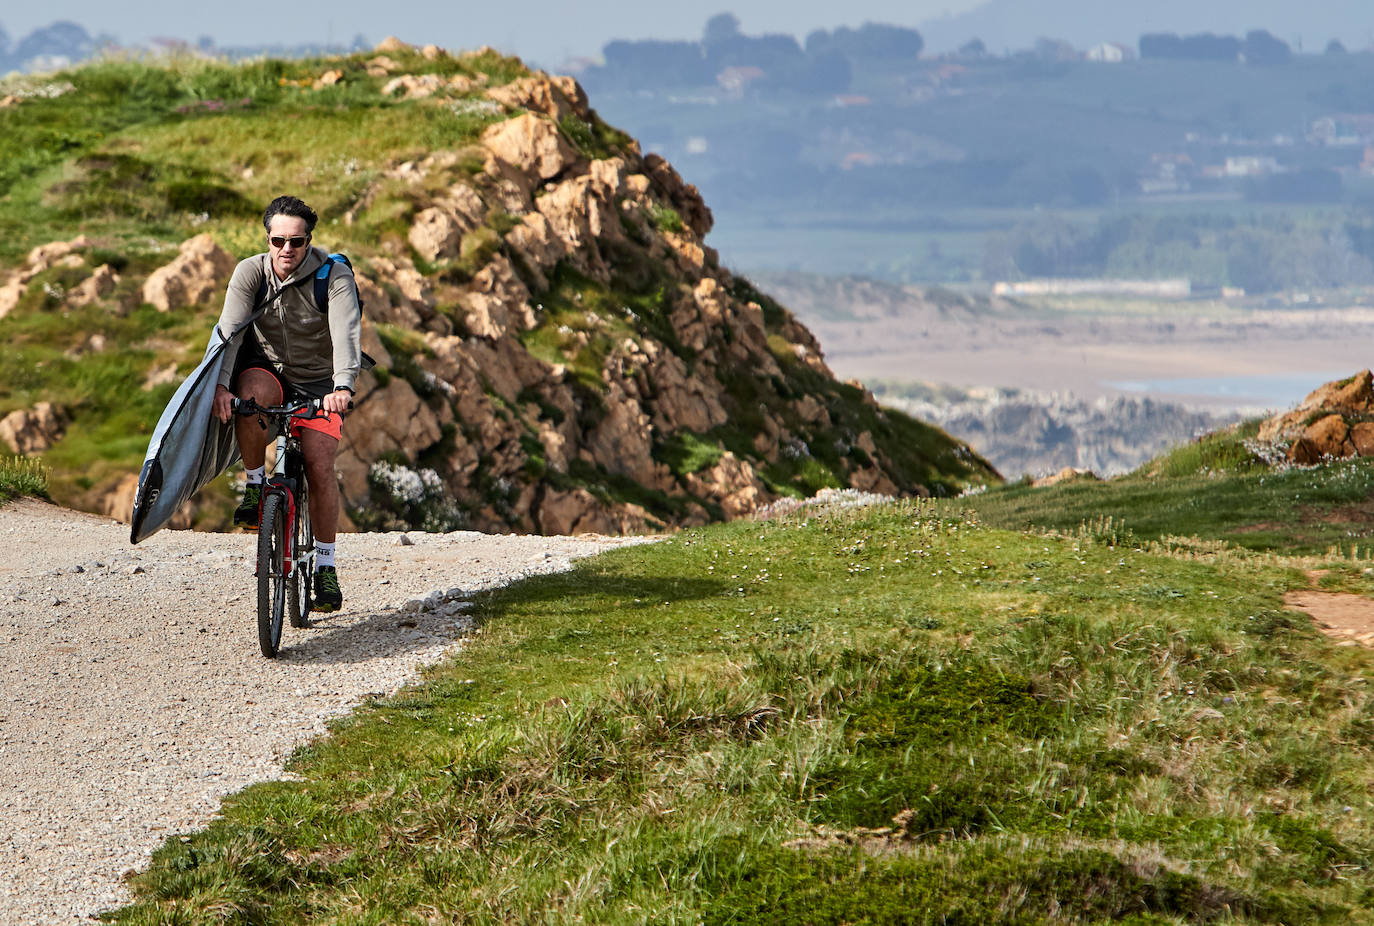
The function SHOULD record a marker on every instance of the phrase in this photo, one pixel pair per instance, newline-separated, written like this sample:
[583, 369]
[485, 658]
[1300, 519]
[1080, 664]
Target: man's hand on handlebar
[338, 402]
[223, 408]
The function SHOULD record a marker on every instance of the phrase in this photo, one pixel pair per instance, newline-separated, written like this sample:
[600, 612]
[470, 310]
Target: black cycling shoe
[327, 595]
[249, 512]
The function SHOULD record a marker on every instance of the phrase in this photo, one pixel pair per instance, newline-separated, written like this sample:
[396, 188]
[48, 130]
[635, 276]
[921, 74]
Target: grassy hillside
[139, 156]
[1220, 488]
[891, 715]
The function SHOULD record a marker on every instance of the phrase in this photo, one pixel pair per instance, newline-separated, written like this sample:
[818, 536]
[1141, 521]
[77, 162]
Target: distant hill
[1013, 24]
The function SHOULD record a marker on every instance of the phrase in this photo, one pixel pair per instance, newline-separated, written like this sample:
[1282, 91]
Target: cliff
[558, 350]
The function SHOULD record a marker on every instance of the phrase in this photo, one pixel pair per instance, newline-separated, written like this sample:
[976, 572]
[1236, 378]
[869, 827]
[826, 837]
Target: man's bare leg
[264, 389]
[320, 451]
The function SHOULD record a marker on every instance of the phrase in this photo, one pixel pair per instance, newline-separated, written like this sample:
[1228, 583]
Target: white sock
[324, 554]
[256, 477]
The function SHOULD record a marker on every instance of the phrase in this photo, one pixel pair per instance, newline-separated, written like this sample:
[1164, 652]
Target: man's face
[295, 241]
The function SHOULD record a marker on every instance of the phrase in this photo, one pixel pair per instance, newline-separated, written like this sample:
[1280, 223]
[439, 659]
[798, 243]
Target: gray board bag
[189, 446]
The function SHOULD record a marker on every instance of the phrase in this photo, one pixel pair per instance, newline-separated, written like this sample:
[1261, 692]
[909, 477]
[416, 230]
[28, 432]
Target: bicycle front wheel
[271, 573]
[298, 591]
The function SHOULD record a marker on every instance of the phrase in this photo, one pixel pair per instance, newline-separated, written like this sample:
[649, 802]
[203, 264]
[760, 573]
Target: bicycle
[286, 543]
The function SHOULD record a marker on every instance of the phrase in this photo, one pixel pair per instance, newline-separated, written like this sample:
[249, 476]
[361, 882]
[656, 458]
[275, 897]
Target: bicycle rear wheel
[299, 598]
[272, 579]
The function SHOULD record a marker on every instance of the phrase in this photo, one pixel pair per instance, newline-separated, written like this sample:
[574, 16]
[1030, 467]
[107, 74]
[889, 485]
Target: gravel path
[133, 696]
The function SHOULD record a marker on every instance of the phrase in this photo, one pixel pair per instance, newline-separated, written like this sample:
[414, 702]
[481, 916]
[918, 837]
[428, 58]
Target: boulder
[33, 430]
[95, 287]
[621, 442]
[392, 45]
[415, 86]
[732, 484]
[555, 97]
[684, 197]
[1327, 437]
[1067, 474]
[391, 418]
[1362, 438]
[574, 511]
[497, 302]
[436, 234]
[1353, 396]
[196, 275]
[530, 144]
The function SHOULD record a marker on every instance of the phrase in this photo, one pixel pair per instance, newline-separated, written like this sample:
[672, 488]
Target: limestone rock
[415, 86]
[391, 44]
[685, 198]
[1354, 396]
[95, 287]
[497, 302]
[568, 512]
[1362, 438]
[555, 97]
[1327, 437]
[393, 418]
[531, 145]
[195, 276]
[732, 484]
[33, 430]
[1067, 474]
[621, 442]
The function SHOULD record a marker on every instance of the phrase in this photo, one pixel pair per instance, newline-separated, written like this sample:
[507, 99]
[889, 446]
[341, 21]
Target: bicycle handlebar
[311, 408]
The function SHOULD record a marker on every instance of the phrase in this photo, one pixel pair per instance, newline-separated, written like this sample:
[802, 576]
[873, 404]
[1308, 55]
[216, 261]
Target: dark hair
[290, 205]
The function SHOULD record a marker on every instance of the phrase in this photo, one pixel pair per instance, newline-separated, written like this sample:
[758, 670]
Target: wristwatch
[347, 389]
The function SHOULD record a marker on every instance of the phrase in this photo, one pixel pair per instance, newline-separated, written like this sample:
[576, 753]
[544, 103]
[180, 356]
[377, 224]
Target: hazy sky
[545, 31]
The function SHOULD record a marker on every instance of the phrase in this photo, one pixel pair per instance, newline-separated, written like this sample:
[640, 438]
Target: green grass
[20, 476]
[883, 716]
[1216, 489]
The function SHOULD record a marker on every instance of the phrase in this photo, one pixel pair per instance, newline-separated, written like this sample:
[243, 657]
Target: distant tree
[657, 64]
[1202, 47]
[720, 28]
[1262, 48]
[61, 39]
[772, 53]
[1334, 47]
[973, 48]
[871, 40]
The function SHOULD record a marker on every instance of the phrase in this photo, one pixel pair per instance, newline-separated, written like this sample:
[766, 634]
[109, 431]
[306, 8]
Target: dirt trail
[133, 696]
[1347, 618]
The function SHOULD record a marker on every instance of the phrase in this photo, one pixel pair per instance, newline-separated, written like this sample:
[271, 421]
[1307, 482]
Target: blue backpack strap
[322, 280]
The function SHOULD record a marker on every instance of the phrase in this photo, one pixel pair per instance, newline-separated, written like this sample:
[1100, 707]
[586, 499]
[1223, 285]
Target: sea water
[1272, 390]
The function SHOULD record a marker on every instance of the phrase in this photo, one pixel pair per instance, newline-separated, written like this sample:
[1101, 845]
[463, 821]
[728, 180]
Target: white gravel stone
[134, 698]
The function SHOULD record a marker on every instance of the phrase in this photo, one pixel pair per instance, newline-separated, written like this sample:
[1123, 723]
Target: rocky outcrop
[558, 350]
[42, 258]
[1335, 420]
[197, 274]
[32, 430]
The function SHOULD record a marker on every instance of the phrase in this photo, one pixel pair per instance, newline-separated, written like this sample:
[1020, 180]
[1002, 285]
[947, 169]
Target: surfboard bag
[189, 446]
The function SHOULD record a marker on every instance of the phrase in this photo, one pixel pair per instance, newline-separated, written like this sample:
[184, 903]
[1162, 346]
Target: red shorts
[331, 424]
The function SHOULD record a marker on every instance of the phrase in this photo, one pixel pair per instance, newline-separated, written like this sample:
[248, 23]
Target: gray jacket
[302, 343]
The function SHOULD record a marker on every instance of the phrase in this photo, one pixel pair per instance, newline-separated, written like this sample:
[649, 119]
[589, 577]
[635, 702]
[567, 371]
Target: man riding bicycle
[294, 352]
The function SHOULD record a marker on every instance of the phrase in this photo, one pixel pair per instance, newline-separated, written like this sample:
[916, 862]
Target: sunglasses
[297, 241]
